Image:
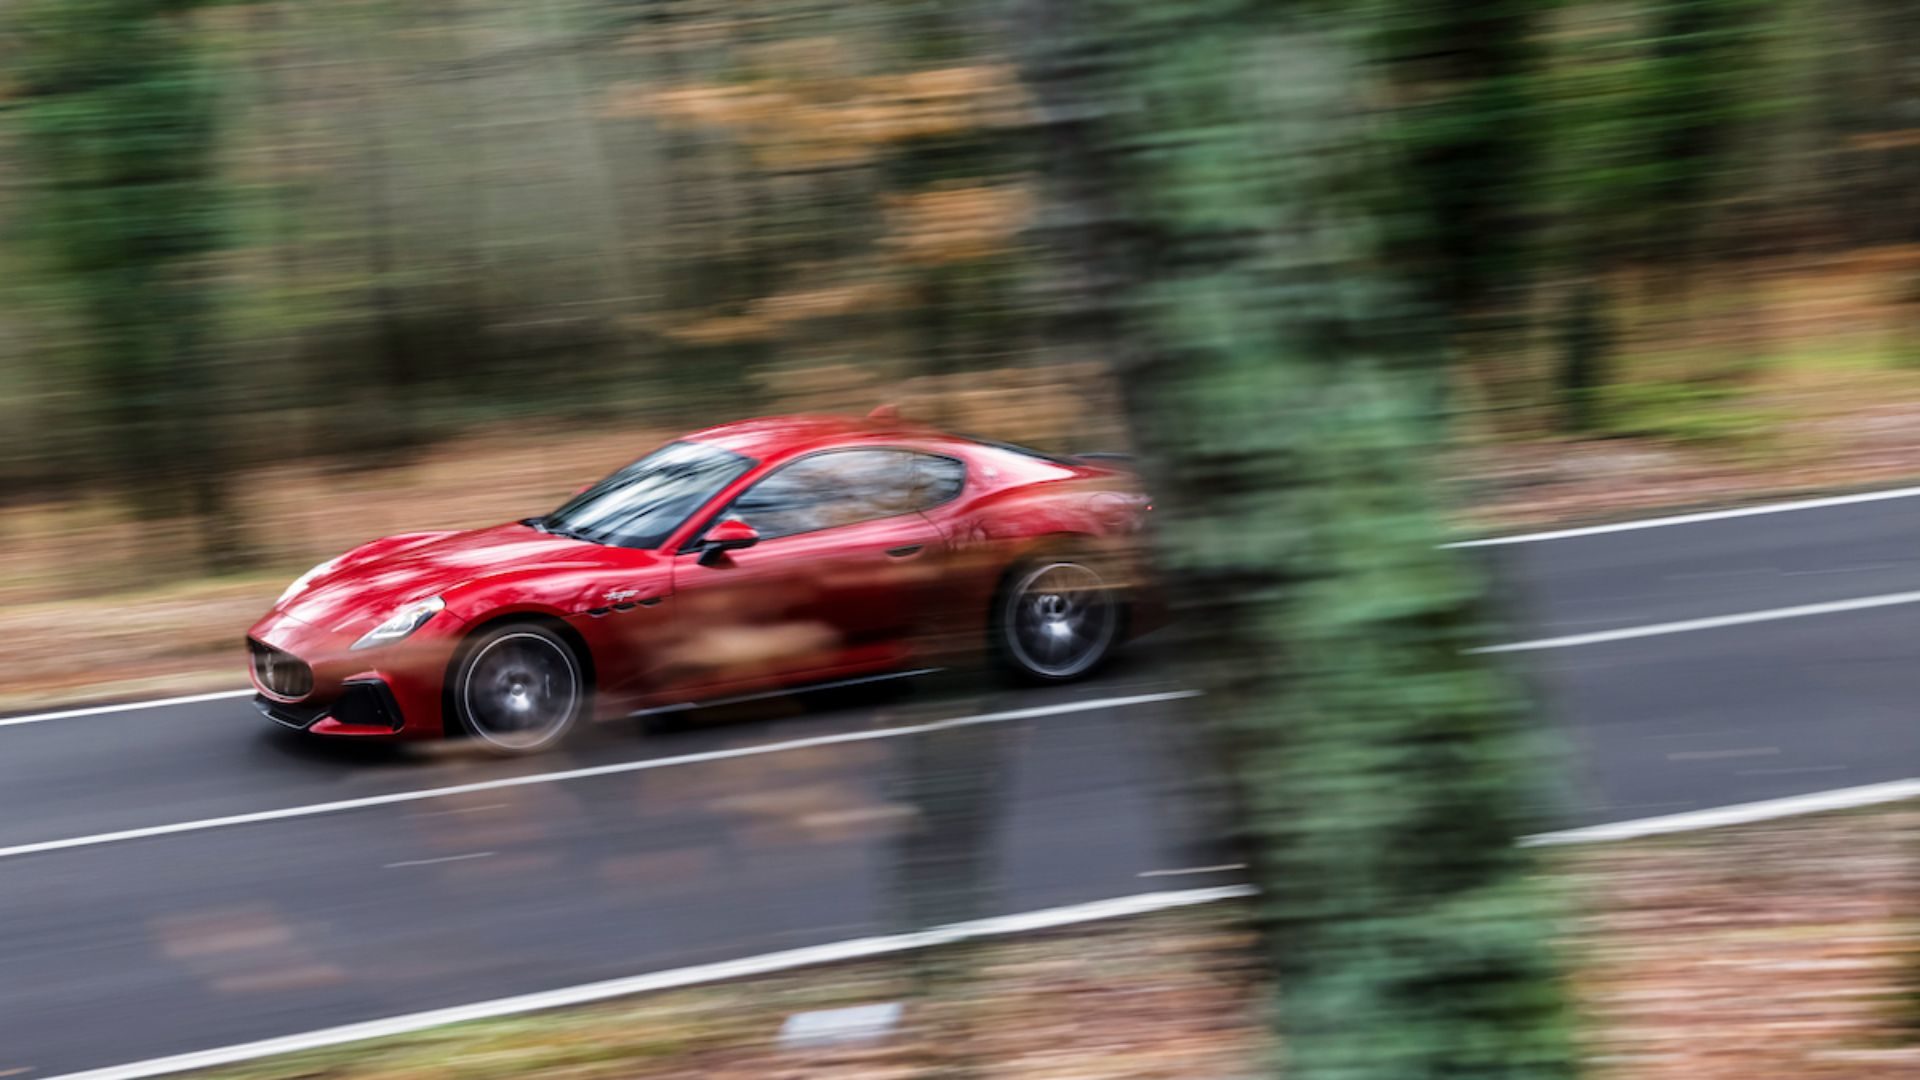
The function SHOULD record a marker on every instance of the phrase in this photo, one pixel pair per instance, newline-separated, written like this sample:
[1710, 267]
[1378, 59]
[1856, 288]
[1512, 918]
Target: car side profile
[745, 559]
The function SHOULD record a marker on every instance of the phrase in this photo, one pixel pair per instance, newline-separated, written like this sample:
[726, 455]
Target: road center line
[1694, 519]
[442, 859]
[488, 808]
[1192, 871]
[393, 798]
[1722, 755]
[1716, 622]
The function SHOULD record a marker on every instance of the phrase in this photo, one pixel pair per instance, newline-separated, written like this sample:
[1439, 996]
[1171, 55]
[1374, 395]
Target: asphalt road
[634, 859]
[129, 949]
[1689, 720]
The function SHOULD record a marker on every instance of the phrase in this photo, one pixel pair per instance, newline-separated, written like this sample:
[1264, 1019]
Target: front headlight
[404, 622]
[300, 583]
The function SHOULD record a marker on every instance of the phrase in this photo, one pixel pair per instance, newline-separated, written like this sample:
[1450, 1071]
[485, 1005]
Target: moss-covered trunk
[1223, 200]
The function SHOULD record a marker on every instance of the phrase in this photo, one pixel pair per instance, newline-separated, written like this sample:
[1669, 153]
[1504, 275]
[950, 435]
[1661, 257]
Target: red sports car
[745, 559]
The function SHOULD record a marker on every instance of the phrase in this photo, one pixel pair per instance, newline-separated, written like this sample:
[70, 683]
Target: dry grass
[1781, 950]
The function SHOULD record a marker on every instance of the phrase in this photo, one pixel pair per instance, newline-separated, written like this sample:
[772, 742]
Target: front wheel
[1056, 620]
[518, 689]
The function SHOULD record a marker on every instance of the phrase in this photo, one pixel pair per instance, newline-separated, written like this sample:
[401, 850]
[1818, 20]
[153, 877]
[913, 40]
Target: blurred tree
[118, 118]
[952, 783]
[1696, 92]
[1584, 346]
[1649, 137]
[461, 212]
[1219, 186]
[1465, 127]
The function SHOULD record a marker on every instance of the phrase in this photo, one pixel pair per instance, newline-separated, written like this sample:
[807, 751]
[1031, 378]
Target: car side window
[937, 480]
[827, 491]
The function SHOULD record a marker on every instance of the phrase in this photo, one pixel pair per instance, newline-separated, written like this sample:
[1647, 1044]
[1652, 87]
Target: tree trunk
[1219, 195]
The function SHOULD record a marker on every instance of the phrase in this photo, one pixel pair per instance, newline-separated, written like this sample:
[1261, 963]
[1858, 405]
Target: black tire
[519, 688]
[1056, 619]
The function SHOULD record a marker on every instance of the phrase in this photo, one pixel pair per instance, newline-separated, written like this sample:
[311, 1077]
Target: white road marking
[442, 859]
[1694, 519]
[1223, 868]
[838, 952]
[466, 810]
[131, 706]
[1722, 755]
[1792, 770]
[1715, 622]
[316, 809]
[1610, 809]
[227, 695]
[1841, 570]
[768, 695]
[1739, 814]
[1718, 733]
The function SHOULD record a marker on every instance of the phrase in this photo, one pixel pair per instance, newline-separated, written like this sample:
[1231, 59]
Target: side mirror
[730, 535]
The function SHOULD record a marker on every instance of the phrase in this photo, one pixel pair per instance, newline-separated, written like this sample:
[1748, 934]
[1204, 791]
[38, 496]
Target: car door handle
[905, 552]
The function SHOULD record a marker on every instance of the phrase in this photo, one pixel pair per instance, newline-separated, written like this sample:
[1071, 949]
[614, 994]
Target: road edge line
[672, 979]
[130, 706]
[1818, 802]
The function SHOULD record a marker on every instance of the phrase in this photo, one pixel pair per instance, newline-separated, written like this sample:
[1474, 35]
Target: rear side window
[830, 490]
[1024, 451]
[937, 480]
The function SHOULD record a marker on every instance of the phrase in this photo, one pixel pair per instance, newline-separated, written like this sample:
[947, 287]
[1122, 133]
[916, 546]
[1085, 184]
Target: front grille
[280, 672]
[363, 704]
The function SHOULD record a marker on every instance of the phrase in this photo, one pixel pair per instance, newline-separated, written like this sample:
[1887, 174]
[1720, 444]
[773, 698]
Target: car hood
[372, 583]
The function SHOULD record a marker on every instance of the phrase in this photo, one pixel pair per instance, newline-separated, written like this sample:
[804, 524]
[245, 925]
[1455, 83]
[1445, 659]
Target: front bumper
[365, 707]
[320, 684]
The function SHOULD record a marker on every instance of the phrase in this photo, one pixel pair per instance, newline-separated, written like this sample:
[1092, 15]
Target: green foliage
[1586, 340]
[1289, 384]
[1467, 130]
[118, 120]
[482, 209]
[1648, 116]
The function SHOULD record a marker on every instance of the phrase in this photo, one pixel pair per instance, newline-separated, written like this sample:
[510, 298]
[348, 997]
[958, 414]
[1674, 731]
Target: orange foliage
[957, 223]
[769, 316]
[814, 120]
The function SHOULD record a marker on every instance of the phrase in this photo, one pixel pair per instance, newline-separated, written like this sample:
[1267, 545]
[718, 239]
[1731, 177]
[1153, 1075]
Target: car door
[832, 588]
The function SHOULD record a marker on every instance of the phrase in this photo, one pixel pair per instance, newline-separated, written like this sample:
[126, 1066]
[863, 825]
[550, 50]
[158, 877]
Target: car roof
[771, 436]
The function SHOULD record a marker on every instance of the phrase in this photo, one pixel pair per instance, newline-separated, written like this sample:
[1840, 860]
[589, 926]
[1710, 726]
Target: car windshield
[641, 505]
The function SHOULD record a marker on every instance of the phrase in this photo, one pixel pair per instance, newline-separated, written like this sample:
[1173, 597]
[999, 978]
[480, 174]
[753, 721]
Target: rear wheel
[519, 689]
[1056, 620]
